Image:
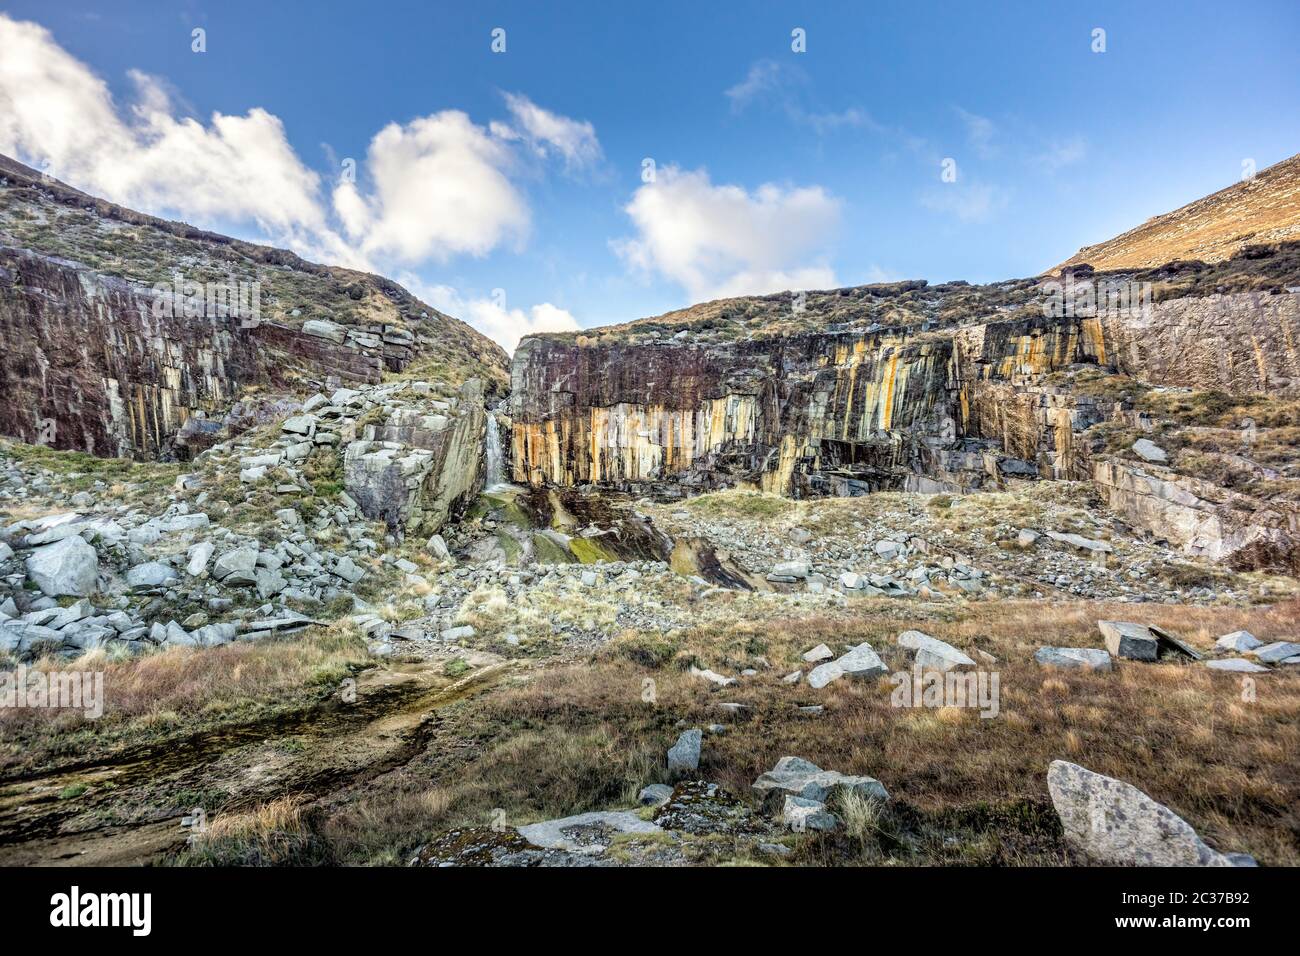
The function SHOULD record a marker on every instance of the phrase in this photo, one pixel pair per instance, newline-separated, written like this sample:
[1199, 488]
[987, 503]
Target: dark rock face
[840, 413]
[90, 366]
[952, 409]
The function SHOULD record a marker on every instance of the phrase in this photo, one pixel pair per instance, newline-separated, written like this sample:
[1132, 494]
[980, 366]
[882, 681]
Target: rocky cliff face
[97, 360]
[856, 411]
[90, 366]
[912, 407]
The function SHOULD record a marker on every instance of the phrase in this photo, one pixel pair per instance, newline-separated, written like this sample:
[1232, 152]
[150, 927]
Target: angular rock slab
[1129, 640]
[586, 833]
[1116, 823]
[1073, 658]
[1276, 652]
[796, 777]
[69, 567]
[655, 795]
[801, 814]
[1236, 665]
[933, 654]
[861, 661]
[1238, 642]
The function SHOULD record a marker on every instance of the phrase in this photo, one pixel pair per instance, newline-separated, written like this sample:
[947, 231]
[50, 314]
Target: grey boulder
[67, 567]
[1133, 641]
[1238, 642]
[933, 654]
[684, 756]
[152, 574]
[1276, 652]
[796, 777]
[861, 662]
[1073, 658]
[801, 814]
[1116, 823]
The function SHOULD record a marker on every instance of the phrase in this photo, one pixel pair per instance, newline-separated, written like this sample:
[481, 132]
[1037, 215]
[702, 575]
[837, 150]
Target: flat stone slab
[933, 654]
[1148, 450]
[1074, 658]
[1276, 652]
[819, 653]
[586, 833]
[861, 662]
[1238, 665]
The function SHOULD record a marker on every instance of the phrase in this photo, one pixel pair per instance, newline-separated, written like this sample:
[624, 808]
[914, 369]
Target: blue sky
[774, 169]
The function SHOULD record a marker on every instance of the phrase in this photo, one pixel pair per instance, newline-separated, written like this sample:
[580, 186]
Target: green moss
[745, 504]
[456, 667]
[590, 550]
[547, 550]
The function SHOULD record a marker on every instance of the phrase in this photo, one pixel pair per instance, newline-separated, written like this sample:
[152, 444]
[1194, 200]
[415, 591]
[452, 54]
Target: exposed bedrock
[809, 414]
[853, 412]
[90, 365]
[422, 459]
[1202, 518]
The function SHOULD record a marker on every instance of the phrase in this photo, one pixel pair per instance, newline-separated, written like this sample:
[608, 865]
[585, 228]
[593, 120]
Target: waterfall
[492, 455]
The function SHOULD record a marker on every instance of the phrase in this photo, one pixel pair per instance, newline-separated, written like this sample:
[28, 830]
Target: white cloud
[1063, 153]
[718, 241]
[574, 140]
[789, 89]
[763, 76]
[440, 189]
[492, 316]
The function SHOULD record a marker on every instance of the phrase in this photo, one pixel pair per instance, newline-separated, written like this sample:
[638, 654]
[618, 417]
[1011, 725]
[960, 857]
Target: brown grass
[157, 694]
[582, 737]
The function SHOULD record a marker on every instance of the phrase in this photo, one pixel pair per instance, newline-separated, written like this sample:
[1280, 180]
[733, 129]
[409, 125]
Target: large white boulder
[66, 567]
[861, 661]
[1116, 823]
[933, 654]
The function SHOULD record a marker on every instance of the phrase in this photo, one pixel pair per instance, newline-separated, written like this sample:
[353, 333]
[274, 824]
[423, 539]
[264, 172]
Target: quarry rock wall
[89, 365]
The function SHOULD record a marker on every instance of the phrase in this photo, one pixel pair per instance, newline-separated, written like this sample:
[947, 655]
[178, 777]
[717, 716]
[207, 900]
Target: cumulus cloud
[722, 240]
[440, 189]
[574, 140]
